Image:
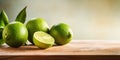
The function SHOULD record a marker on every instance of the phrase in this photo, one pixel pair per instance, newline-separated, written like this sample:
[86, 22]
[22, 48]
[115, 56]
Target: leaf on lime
[21, 17]
[4, 17]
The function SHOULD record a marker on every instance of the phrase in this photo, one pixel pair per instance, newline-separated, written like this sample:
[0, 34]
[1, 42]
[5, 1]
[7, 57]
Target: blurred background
[89, 19]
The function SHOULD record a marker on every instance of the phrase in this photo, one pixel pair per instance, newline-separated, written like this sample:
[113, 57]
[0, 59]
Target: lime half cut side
[43, 40]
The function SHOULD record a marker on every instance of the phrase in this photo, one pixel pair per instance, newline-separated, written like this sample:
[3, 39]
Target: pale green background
[89, 19]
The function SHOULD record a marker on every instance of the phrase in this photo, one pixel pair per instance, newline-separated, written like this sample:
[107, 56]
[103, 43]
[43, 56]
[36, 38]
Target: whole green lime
[62, 33]
[36, 24]
[15, 34]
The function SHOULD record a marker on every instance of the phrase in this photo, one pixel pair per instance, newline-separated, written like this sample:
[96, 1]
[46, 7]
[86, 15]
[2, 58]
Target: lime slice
[43, 40]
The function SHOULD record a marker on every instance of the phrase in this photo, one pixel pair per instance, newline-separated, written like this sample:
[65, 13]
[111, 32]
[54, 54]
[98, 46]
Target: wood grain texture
[76, 49]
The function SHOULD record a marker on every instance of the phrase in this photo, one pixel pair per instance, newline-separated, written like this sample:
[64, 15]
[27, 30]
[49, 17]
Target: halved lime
[43, 40]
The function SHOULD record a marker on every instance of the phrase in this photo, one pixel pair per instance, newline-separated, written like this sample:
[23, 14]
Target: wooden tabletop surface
[74, 48]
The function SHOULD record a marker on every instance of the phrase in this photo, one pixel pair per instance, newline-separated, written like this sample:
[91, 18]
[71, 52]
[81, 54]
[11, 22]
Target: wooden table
[75, 50]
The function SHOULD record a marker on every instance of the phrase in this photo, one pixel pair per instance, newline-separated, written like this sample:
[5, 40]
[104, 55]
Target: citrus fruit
[37, 24]
[43, 40]
[15, 34]
[62, 33]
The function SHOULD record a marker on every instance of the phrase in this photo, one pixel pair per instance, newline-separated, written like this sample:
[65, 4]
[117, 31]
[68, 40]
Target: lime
[15, 34]
[62, 33]
[37, 24]
[43, 40]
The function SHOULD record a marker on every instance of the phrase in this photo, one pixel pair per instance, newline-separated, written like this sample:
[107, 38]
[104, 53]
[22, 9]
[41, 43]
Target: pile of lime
[36, 31]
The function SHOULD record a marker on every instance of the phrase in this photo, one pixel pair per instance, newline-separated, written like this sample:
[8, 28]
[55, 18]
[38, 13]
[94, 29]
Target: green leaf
[2, 23]
[3, 18]
[21, 17]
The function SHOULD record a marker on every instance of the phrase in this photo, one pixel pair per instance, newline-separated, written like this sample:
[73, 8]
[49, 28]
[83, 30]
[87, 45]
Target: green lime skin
[62, 33]
[41, 44]
[36, 24]
[15, 34]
